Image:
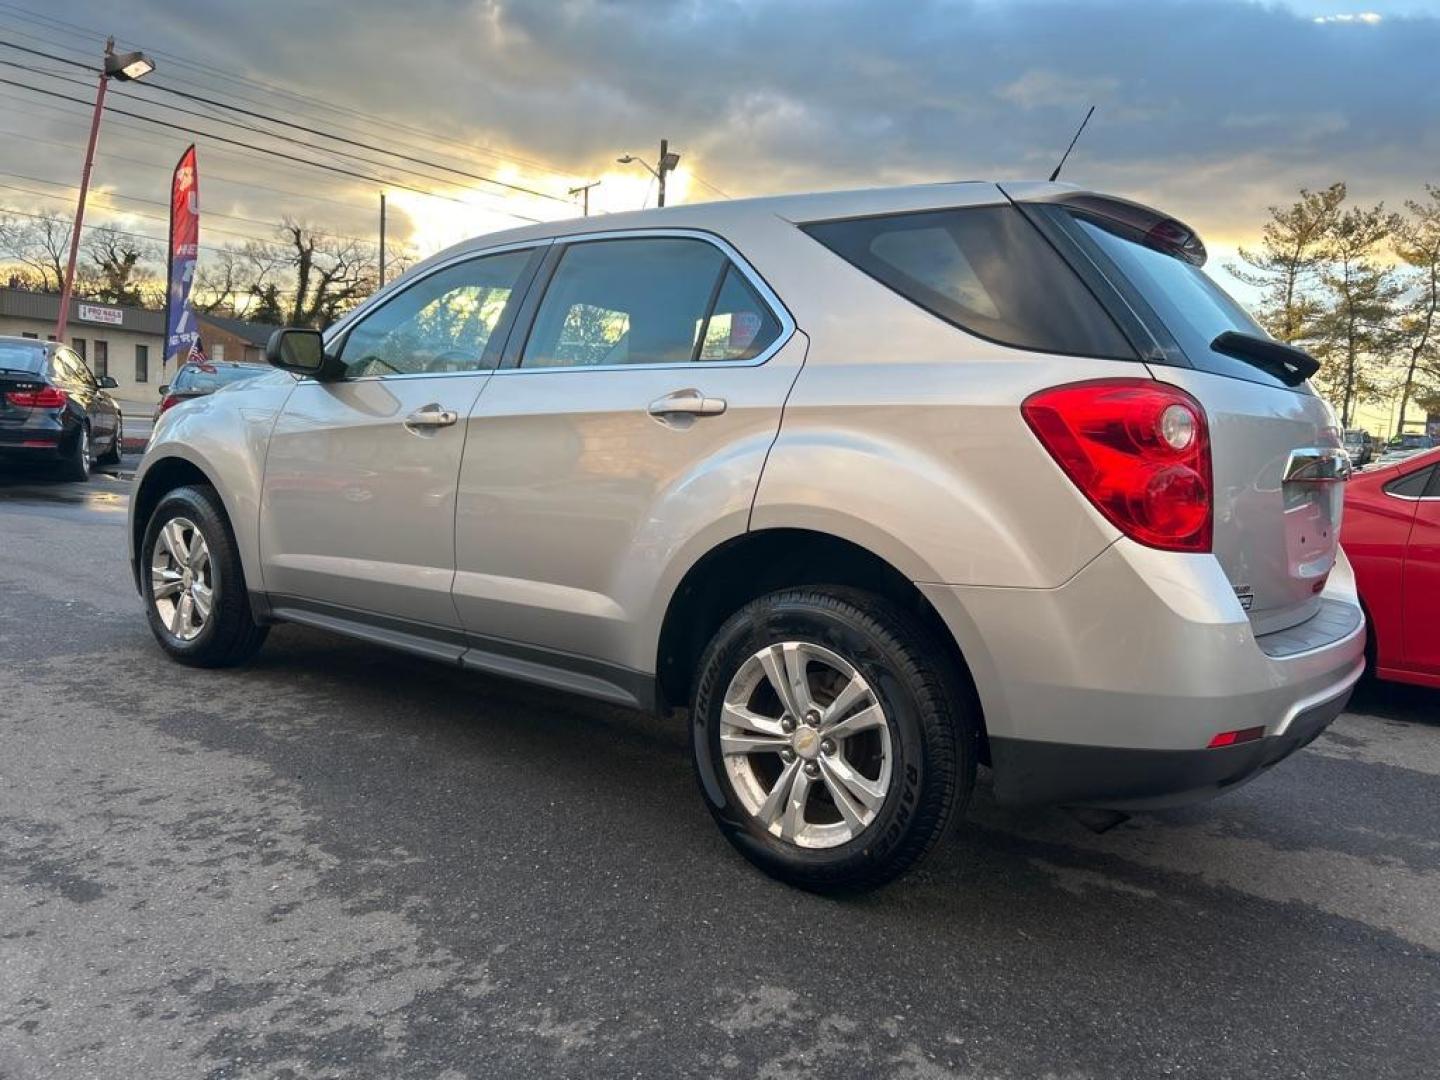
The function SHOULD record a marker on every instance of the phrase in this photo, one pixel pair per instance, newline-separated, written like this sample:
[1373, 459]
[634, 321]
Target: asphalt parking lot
[342, 862]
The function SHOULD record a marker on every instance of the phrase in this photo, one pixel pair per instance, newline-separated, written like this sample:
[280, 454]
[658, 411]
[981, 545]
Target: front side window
[647, 300]
[984, 269]
[441, 324]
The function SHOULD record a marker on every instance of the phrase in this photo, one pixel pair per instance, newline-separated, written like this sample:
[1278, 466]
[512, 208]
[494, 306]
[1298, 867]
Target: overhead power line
[262, 149]
[214, 72]
[254, 114]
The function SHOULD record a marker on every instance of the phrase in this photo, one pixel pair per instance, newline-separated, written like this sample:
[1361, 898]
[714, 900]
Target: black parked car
[196, 379]
[53, 409]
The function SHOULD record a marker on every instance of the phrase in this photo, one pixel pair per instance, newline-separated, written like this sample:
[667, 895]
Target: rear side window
[1412, 485]
[660, 300]
[986, 270]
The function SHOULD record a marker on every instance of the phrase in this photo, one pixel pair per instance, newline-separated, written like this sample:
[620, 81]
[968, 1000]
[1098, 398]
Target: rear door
[1275, 447]
[632, 420]
[358, 504]
[1420, 588]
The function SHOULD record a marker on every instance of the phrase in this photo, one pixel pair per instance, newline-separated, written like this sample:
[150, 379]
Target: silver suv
[878, 486]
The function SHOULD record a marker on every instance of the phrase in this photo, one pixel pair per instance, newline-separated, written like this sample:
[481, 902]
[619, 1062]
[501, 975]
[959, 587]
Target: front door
[632, 421]
[358, 504]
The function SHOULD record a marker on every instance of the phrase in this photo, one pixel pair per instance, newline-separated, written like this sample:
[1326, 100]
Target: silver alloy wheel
[806, 744]
[182, 578]
[84, 449]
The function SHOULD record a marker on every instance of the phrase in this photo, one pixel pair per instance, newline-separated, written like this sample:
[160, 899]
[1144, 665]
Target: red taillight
[167, 401]
[1234, 738]
[1139, 450]
[47, 398]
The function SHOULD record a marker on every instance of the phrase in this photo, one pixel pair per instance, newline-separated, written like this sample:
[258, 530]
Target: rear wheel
[76, 464]
[194, 585]
[830, 738]
[117, 445]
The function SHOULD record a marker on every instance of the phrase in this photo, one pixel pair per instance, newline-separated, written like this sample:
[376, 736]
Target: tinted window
[442, 323]
[1192, 307]
[985, 269]
[1412, 485]
[75, 367]
[741, 326]
[639, 301]
[210, 377]
[16, 357]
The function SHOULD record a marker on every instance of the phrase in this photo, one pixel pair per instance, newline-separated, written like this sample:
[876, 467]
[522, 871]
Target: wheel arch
[161, 477]
[745, 567]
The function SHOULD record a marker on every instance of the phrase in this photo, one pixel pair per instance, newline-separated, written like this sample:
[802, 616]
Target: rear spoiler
[1143, 223]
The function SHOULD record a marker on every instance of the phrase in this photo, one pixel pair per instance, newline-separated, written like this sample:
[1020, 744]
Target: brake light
[1139, 450]
[168, 401]
[45, 398]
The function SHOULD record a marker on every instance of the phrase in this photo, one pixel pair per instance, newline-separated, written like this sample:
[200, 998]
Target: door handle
[687, 403]
[431, 416]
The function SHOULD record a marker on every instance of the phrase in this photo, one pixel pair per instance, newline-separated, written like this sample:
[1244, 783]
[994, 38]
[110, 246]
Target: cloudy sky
[1210, 109]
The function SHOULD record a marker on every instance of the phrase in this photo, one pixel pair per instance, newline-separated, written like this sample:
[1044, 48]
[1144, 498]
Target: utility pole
[382, 239]
[668, 161]
[584, 192]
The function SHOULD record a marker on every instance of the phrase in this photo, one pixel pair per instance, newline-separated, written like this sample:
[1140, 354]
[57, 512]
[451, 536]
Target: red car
[1392, 534]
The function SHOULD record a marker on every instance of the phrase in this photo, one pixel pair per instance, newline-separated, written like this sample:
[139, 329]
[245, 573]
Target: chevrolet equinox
[875, 486]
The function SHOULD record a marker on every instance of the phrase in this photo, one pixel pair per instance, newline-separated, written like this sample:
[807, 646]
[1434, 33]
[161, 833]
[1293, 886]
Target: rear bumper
[1107, 690]
[32, 433]
[1120, 779]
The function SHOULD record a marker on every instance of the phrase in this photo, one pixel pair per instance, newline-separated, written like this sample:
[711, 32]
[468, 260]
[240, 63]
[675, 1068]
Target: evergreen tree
[1417, 243]
[1355, 330]
[1287, 263]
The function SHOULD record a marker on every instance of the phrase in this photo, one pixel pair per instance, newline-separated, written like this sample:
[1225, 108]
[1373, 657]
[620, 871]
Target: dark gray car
[54, 409]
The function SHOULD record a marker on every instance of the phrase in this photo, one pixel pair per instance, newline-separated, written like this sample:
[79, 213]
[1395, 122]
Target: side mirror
[301, 351]
[164, 388]
[108, 382]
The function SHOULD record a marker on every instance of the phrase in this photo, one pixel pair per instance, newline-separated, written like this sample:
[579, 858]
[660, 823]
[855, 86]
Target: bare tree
[122, 267]
[1417, 243]
[40, 243]
[330, 275]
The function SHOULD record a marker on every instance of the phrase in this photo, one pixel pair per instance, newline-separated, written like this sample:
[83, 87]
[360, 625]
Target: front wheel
[193, 583]
[831, 739]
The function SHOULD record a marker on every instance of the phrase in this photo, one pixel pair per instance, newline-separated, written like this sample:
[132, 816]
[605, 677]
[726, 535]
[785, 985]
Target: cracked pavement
[344, 862]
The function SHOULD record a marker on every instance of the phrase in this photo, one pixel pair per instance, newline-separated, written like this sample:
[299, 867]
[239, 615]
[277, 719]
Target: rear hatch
[1275, 446]
[21, 372]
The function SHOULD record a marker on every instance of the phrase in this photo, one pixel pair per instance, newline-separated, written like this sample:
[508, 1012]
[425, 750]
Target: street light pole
[667, 164]
[124, 67]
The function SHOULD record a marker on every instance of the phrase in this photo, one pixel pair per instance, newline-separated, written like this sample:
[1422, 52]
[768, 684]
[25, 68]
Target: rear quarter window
[984, 269]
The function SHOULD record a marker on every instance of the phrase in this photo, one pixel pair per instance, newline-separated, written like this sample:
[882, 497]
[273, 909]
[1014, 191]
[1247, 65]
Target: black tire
[932, 725]
[117, 445]
[77, 462]
[230, 636]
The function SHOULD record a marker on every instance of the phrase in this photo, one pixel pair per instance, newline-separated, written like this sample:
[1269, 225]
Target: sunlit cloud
[1366, 17]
